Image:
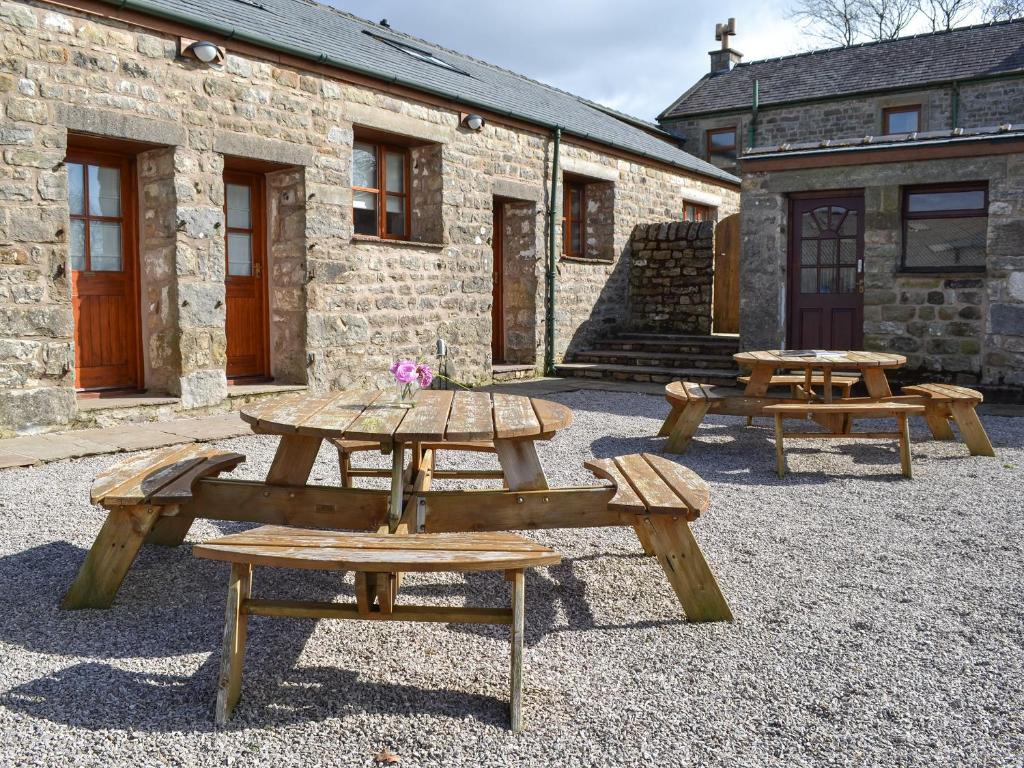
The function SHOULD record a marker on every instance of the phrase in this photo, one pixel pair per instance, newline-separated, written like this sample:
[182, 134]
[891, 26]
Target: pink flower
[405, 371]
[425, 374]
[394, 367]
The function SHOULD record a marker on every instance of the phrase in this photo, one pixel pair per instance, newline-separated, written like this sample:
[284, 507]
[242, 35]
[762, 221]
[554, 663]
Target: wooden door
[103, 253]
[498, 281]
[826, 273]
[725, 313]
[246, 287]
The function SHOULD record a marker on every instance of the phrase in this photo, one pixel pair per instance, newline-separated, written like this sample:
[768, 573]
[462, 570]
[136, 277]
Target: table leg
[971, 429]
[521, 465]
[877, 383]
[294, 460]
[229, 687]
[518, 628]
[686, 426]
[397, 481]
[671, 420]
[760, 377]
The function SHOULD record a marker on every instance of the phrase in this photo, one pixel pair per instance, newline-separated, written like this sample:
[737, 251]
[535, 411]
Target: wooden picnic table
[871, 365]
[512, 422]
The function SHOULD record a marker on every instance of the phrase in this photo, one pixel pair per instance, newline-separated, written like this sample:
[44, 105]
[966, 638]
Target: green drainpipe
[954, 106]
[549, 272]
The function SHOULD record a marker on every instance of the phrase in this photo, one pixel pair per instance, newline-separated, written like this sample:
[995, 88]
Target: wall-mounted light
[203, 50]
[473, 122]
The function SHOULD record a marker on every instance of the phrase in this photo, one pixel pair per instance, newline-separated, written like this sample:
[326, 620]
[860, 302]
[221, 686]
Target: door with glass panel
[826, 268]
[245, 248]
[103, 258]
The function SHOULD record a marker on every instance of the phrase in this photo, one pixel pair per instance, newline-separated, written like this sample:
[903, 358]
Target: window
[238, 205]
[574, 206]
[901, 119]
[722, 145]
[380, 190]
[945, 228]
[697, 212]
[94, 199]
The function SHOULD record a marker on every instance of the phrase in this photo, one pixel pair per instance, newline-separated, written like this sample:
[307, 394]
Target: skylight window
[416, 53]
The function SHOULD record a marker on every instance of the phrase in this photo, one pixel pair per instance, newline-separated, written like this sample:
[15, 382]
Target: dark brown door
[246, 326]
[826, 268]
[725, 316]
[498, 281]
[104, 283]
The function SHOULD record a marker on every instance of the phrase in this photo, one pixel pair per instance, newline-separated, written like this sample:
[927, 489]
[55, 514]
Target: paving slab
[17, 460]
[218, 427]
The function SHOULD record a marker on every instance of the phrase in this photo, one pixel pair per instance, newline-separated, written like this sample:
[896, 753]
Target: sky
[637, 56]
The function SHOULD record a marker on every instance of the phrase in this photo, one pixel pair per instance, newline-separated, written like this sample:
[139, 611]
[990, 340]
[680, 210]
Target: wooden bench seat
[347, 448]
[665, 497]
[141, 494]
[797, 381]
[950, 401]
[371, 557]
[899, 411]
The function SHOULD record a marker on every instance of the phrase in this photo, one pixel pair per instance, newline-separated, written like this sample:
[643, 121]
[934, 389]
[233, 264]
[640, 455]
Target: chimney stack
[726, 57]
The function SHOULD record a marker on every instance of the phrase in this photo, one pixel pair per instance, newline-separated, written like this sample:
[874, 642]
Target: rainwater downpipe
[954, 107]
[549, 272]
[752, 136]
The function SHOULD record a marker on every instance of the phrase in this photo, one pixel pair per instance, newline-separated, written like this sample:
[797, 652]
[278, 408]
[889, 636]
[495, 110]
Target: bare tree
[946, 14]
[1004, 10]
[834, 21]
[886, 19]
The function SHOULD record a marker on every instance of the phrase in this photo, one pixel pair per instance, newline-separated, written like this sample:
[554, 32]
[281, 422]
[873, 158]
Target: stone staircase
[657, 357]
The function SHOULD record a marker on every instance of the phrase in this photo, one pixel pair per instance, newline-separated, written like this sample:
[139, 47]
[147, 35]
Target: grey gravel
[878, 622]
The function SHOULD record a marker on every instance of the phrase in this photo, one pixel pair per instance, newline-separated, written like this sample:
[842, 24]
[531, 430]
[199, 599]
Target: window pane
[575, 238]
[575, 201]
[104, 191]
[965, 199]
[723, 140]
[828, 252]
[828, 281]
[809, 252]
[847, 251]
[76, 245]
[938, 243]
[364, 205]
[847, 280]
[239, 216]
[76, 189]
[809, 280]
[396, 172]
[849, 225]
[104, 246]
[395, 216]
[239, 254]
[809, 225]
[902, 122]
[364, 165]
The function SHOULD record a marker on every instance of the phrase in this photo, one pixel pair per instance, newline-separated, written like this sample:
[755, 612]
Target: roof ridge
[873, 43]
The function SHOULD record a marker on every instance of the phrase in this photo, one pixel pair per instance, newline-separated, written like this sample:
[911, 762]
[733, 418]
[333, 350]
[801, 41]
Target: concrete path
[54, 446]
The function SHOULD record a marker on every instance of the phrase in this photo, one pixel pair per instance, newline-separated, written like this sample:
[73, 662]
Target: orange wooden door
[725, 315]
[102, 246]
[245, 246]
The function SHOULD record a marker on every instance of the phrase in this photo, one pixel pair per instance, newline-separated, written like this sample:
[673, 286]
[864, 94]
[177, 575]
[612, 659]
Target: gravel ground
[878, 622]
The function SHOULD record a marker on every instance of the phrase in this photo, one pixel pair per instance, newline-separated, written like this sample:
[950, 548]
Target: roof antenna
[384, 23]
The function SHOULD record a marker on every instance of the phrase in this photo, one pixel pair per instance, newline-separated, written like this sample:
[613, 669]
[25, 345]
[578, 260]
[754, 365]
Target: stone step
[501, 372]
[644, 357]
[658, 374]
[706, 345]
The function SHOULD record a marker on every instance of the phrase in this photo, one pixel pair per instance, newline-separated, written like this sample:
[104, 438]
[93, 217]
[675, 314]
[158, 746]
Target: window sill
[392, 241]
[952, 273]
[582, 260]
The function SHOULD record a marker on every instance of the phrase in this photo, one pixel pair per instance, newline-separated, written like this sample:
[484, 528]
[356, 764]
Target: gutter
[549, 271]
[150, 9]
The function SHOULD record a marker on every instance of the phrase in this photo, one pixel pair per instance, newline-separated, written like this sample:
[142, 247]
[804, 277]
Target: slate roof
[958, 54]
[325, 34]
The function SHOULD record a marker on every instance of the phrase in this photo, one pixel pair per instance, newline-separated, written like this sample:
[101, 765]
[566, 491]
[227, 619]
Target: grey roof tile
[977, 51]
[337, 38]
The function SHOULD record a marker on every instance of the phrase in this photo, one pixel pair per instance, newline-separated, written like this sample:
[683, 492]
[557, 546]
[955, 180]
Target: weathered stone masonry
[341, 307]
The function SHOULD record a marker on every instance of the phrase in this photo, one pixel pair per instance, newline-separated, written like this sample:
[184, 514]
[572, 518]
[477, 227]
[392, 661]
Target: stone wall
[342, 306]
[670, 277]
[522, 250]
[981, 104]
[967, 328]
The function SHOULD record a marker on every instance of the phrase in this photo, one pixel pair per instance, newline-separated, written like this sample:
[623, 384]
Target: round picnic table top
[848, 359]
[436, 416]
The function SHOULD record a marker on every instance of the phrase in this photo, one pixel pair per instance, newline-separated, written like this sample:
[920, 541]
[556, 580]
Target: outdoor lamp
[473, 122]
[206, 52]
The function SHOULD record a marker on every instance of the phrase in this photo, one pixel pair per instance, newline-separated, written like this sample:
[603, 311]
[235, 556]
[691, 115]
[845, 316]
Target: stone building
[882, 204]
[195, 196]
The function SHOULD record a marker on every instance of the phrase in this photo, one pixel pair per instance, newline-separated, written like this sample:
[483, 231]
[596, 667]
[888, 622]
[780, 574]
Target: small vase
[406, 394]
